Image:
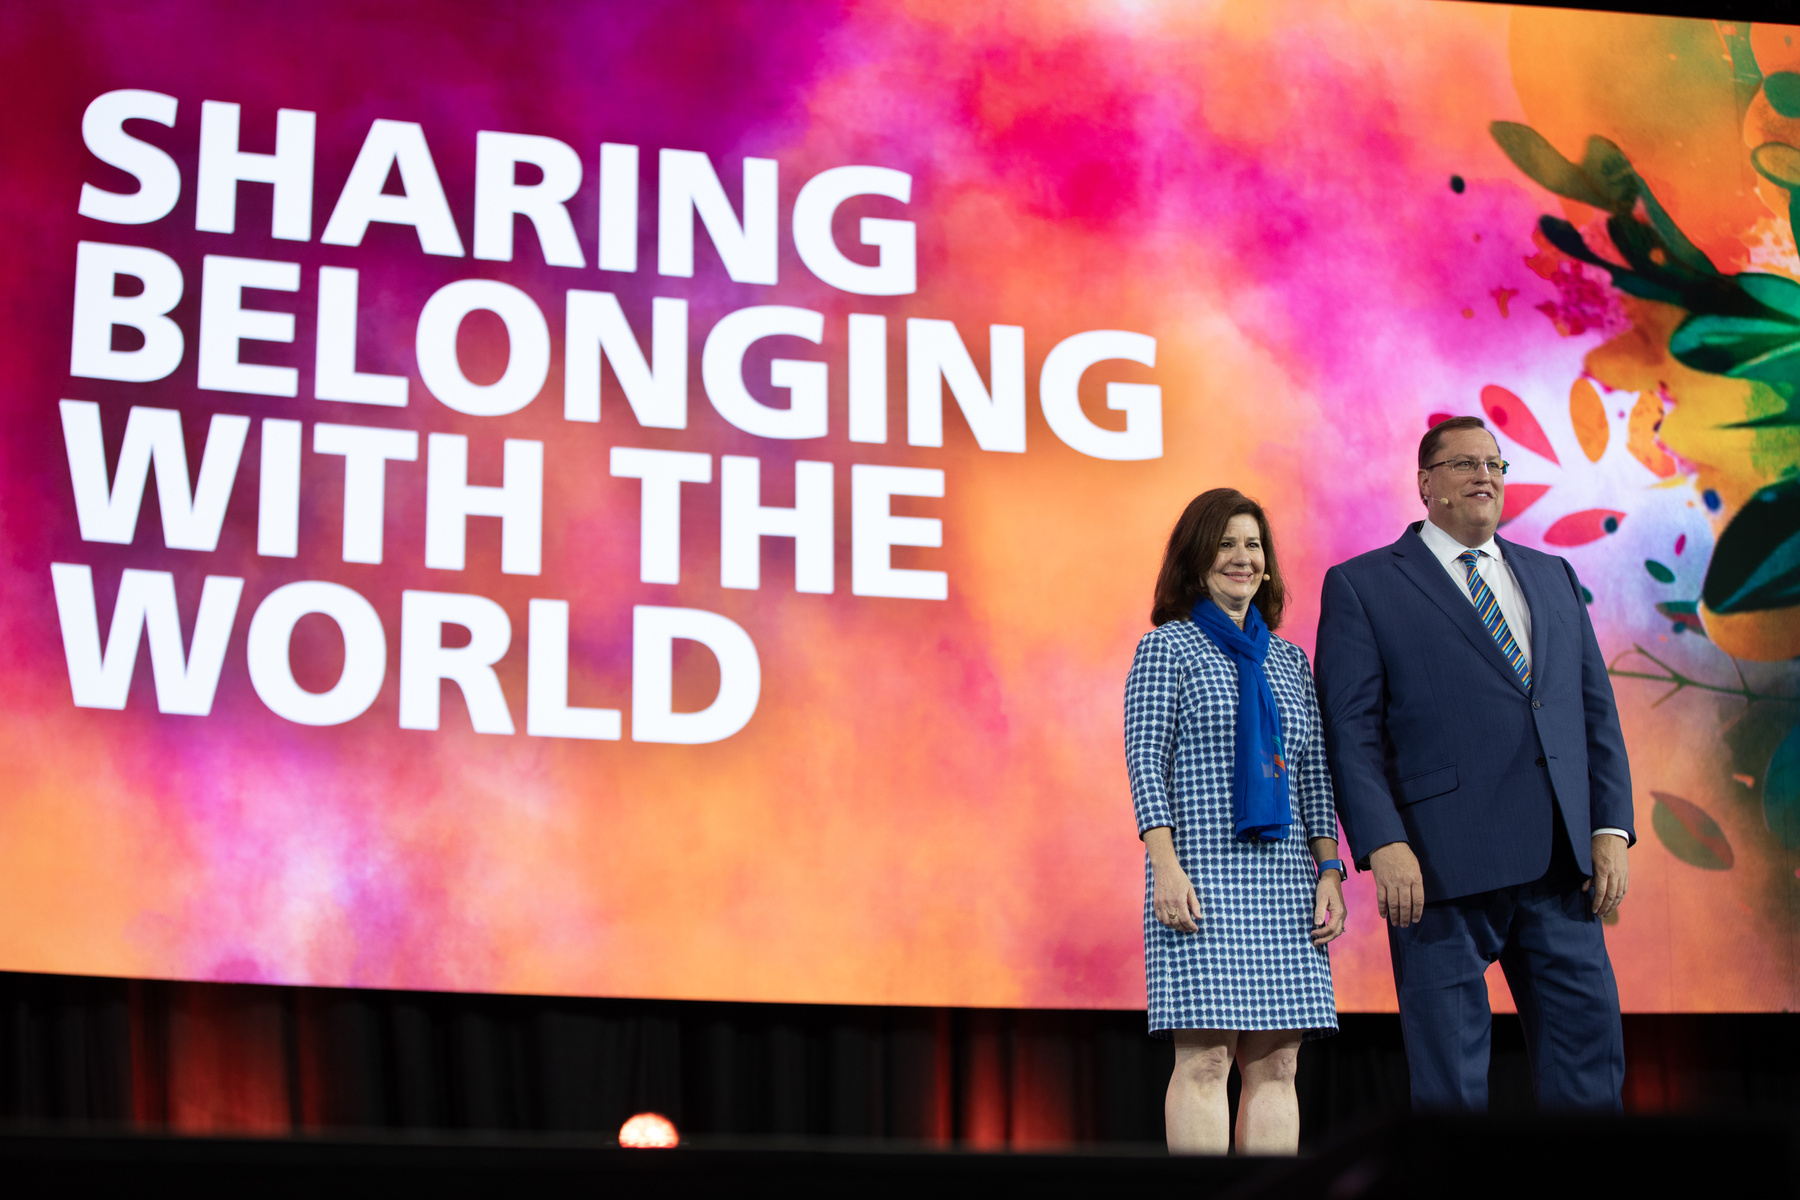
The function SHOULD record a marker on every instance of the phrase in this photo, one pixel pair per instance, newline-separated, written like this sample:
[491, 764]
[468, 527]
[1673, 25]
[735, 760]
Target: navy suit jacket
[1434, 740]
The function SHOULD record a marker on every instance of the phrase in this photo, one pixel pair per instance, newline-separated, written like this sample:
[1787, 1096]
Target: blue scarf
[1260, 810]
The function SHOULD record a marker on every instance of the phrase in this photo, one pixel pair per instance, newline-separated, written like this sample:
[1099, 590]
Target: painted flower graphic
[1700, 369]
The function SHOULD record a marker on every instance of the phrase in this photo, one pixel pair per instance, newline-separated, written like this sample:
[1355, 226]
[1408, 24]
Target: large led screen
[659, 499]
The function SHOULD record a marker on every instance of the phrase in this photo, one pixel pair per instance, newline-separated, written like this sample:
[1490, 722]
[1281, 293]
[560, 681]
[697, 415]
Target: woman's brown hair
[1194, 547]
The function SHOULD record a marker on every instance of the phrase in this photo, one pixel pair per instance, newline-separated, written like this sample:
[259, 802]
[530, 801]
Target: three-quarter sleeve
[1152, 695]
[1311, 771]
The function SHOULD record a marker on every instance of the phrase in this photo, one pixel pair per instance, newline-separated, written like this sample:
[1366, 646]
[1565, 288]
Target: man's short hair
[1434, 437]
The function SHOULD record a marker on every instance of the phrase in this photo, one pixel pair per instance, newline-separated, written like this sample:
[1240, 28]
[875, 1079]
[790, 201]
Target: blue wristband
[1334, 864]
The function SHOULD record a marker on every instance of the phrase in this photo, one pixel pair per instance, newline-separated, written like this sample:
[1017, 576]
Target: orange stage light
[649, 1131]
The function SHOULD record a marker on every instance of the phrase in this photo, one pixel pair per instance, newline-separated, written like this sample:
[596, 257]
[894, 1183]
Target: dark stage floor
[1463, 1157]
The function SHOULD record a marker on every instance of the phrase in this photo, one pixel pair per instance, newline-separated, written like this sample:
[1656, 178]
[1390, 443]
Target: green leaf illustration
[1637, 242]
[1567, 238]
[1685, 614]
[1535, 156]
[1756, 563]
[1742, 326]
[1746, 76]
[1762, 342]
[1789, 416]
[1743, 347]
[1774, 291]
[1674, 241]
[1777, 162]
[1781, 791]
[1783, 91]
[1605, 166]
[1690, 834]
[1762, 392]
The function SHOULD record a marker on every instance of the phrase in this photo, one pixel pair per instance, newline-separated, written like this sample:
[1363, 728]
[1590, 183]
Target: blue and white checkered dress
[1252, 965]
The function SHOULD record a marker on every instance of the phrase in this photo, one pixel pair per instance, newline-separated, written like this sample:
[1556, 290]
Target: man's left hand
[1612, 870]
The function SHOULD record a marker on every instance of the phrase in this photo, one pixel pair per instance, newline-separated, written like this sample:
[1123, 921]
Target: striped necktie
[1489, 610]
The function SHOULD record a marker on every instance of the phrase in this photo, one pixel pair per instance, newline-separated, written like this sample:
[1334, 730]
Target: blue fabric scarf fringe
[1260, 808]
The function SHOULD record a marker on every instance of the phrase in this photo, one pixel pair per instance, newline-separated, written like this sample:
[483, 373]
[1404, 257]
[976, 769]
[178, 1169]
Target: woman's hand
[1172, 896]
[1329, 912]
[1177, 905]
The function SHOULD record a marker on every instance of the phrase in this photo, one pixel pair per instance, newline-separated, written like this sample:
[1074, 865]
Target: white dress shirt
[1495, 572]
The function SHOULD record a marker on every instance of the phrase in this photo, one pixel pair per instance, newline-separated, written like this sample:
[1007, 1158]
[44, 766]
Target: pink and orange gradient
[929, 806]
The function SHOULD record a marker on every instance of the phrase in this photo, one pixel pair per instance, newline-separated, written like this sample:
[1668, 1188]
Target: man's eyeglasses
[1466, 466]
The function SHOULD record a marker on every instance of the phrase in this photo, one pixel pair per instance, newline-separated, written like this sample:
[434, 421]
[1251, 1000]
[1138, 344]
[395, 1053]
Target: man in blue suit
[1481, 774]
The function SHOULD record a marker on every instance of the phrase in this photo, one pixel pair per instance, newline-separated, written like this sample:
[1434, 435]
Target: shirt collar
[1445, 548]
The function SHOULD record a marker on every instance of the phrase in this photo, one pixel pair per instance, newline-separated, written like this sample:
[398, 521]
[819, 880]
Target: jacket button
[1537, 704]
[1540, 761]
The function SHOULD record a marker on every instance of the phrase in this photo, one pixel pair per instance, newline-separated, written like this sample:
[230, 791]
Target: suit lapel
[1538, 599]
[1420, 565]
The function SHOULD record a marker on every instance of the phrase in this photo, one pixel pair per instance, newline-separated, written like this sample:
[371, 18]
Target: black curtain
[216, 1057]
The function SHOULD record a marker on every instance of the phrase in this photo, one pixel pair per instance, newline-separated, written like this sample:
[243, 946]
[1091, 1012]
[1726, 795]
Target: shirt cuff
[1620, 833]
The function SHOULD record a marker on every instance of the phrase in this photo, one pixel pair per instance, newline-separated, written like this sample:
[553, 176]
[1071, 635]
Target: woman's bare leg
[1195, 1113]
[1268, 1110]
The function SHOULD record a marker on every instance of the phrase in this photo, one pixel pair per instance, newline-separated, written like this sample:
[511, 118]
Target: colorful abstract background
[1339, 220]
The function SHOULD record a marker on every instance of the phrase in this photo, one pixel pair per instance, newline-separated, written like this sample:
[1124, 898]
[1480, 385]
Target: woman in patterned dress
[1237, 912]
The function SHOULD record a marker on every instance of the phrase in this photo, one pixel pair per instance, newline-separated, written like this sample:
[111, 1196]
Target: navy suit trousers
[1550, 946]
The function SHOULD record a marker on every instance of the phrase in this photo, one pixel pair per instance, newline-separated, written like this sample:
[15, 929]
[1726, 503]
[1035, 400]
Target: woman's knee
[1204, 1063]
[1276, 1063]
